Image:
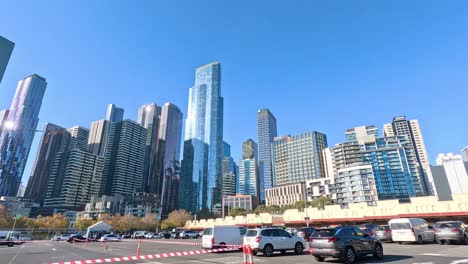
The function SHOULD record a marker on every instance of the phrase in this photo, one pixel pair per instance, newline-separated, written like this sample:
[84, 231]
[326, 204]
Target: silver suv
[189, 234]
[344, 242]
[269, 240]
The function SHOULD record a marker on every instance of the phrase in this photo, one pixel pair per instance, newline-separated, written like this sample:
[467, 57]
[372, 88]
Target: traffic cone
[85, 243]
[107, 245]
[250, 255]
[244, 251]
[138, 248]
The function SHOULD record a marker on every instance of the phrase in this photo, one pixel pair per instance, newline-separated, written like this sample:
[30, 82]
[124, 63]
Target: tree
[167, 225]
[205, 214]
[235, 211]
[179, 217]
[84, 223]
[149, 222]
[321, 202]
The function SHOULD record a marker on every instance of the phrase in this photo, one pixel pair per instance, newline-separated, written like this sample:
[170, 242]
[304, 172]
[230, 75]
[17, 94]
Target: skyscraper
[361, 132]
[203, 145]
[464, 152]
[55, 139]
[267, 131]
[114, 114]
[249, 149]
[6, 48]
[248, 177]
[3, 119]
[99, 137]
[456, 172]
[124, 161]
[168, 165]
[74, 178]
[299, 158]
[79, 137]
[148, 117]
[16, 143]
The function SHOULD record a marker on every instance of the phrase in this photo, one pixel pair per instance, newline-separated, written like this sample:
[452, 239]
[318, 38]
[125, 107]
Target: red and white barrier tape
[190, 243]
[154, 256]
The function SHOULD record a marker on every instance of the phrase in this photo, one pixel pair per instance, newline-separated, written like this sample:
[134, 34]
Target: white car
[269, 240]
[110, 238]
[153, 236]
[411, 230]
[220, 236]
[60, 237]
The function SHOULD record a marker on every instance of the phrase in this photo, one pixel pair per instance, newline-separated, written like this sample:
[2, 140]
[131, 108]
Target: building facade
[114, 114]
[267, 131]
[168, 165]
[248, 202]
[75, 177]
[104, 204]
[148, 117]
[287, 194]
[203, 142]
[228, 185]
[456, 172]
[249, 149]
[124, 161]
[248, 177]
[15, 142]
[361, 133]
[3, 119]
[142, 204]
[54, 140]
[6, 48]
[464, 153]
[99, 137]
[79, 137]
[298, 158]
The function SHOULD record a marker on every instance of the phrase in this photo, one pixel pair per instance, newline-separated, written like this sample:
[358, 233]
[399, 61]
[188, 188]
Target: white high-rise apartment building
[464, 153]
[455, 170]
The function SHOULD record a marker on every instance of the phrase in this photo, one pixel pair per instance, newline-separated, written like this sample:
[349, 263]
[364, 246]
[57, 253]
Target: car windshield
[251, 233]
[383, 228]
[397, 226]
[328, 232]
[208, 231]
[447, 225]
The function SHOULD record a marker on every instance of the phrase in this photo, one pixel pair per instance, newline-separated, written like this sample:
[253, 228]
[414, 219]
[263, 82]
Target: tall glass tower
[15, 141]
[267, 131]
[203, 145]
[6, 48]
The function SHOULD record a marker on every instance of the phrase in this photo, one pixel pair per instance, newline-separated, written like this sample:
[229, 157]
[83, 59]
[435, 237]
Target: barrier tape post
[138, 248]
[244, 252]
[85, 243]
[250, 255]
[74, 240]
[107, 245]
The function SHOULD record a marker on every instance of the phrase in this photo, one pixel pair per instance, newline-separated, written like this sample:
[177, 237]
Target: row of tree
[53, 222]
[319, 203]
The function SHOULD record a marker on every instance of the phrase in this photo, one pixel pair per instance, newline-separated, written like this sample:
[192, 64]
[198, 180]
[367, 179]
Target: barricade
[149, 257]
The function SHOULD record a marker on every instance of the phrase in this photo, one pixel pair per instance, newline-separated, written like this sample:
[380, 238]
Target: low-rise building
[141, 204]
[248, 202]
[18, 205]
[103, 205]
[286, 194]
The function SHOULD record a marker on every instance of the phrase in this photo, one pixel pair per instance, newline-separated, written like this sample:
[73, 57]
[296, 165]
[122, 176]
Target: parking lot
[42, 252]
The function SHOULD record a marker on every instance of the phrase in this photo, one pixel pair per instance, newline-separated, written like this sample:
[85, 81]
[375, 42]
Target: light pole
[16, 218]
[306, 218]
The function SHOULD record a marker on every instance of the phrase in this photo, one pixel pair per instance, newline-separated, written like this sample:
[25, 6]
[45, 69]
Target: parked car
[76, 238]
[61, 237]
[344, 242]
[175, 234]
[186, 234]
[291, 230]
[451, 231]
[110, 238]
[6, 240]
[383, 233]
[153, 236]
[126, 236]
[370, 229]
[269, 240]
[411, 230]
[139, 234]
[218, 236]
[305, 232]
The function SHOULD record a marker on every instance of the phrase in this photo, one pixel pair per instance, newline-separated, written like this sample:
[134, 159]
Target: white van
[217, 236]
[411, 230]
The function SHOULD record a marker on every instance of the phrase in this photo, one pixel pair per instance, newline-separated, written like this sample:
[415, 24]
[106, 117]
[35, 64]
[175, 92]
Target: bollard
[250, 255]
[85, 243]
[244, 251]
[138, 248]
[107, 245]
[74, 241]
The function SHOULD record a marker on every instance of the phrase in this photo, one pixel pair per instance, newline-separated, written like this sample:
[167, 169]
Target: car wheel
[299, 248]
[222, 245]
[186, 237]
[420, 240]
[254, 253]
[268, 250]
[349, 256]
[378, 251]
[197, 236]
[319, 259]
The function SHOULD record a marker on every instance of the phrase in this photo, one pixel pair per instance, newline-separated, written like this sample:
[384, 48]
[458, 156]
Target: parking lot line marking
[433, 254]
[460, 261]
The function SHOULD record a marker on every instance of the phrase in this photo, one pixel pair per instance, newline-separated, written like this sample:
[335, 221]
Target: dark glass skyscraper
[267, 132]
[203, 145]
[55, 139]
[114, 114]
[6, 48]
[15, 141]
[168, 166]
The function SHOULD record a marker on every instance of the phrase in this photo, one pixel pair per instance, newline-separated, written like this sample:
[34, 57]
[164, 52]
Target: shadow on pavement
[370, 259]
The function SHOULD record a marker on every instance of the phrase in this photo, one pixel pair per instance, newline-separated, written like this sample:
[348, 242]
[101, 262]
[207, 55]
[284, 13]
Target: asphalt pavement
[42, 252]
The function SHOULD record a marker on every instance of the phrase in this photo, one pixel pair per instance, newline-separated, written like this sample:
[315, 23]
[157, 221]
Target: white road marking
[17, 253]
[423, 263]
[54, 249]
[433, 254]
[460, 261]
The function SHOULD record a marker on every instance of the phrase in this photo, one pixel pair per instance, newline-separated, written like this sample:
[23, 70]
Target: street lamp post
[306, 218]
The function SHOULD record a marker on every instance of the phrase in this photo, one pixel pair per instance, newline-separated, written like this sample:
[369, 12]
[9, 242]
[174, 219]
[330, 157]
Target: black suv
[344, 242]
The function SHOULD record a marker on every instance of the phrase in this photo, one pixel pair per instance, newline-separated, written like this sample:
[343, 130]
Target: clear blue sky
[318, 65]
